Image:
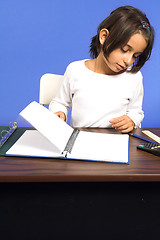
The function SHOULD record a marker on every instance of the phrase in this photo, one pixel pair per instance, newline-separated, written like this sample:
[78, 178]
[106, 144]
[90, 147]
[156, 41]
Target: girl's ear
[103, 35]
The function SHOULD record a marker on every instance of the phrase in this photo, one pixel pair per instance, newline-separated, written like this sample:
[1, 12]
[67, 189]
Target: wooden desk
[58, 199]
[142, 166]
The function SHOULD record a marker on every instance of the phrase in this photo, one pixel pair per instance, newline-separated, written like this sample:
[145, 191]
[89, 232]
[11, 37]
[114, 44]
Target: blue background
[44, 36]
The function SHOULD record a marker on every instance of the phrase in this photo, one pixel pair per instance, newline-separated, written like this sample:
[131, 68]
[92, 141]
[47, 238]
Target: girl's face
[122, 58]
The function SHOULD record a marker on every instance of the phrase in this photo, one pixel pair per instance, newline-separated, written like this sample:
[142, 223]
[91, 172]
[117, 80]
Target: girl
[107, 91]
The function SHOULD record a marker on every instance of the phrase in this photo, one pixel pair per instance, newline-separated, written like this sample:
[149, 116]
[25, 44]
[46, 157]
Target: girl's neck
[94, 66]
[98, 65]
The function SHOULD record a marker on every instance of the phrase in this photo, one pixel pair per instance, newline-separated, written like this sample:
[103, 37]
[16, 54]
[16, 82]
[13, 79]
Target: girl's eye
[126, 50]
[123, 50]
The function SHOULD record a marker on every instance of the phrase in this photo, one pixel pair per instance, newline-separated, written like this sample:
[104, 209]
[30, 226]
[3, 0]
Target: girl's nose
[128, 60]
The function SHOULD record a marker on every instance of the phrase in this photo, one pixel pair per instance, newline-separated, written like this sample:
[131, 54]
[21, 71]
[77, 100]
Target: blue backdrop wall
[44, 36]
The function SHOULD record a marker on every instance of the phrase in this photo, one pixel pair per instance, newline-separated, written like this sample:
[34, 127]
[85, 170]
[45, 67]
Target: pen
[142, 138]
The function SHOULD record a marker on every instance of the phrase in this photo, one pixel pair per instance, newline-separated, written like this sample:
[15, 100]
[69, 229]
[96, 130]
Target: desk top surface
[142, 166]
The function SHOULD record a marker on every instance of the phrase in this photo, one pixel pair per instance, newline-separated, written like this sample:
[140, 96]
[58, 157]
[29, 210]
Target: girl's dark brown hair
[122, 23]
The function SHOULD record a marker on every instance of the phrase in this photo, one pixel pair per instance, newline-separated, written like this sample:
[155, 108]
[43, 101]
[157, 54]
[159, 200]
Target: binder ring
[4, 136]
[12, 125]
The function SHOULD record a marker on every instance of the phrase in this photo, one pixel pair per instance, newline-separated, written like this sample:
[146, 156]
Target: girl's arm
[134, 114]
[124, 124]
[134, 110]
[62, 102]
[61, 115]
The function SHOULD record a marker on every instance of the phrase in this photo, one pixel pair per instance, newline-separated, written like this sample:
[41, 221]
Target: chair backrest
[49, 86]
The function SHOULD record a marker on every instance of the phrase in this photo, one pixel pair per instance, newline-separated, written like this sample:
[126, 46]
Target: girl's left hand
[124, 124]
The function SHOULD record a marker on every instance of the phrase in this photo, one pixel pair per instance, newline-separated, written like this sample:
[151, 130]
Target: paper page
[47, 123]
[101, 147]
[33, 144]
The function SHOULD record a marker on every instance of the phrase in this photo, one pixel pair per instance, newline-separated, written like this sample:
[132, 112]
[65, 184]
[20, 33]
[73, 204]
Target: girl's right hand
[61, 115]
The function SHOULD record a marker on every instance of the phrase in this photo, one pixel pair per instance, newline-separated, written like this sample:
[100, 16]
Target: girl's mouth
[120, 67]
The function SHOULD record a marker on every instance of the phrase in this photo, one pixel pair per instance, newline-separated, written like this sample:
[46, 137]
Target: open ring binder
[4, 135]
[51, 137]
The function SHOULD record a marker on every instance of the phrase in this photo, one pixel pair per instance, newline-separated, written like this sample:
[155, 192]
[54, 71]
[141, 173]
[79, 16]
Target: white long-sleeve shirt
[97, 98]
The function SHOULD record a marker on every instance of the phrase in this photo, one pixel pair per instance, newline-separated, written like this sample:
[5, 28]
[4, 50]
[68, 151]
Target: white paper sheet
[101, 147]
[33, 144]
[88, 146]
[48, 124]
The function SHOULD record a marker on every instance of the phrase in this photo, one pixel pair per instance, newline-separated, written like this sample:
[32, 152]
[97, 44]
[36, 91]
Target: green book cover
[12, 138]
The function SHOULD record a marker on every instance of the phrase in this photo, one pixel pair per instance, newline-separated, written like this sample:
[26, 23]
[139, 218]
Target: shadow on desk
[80, 210]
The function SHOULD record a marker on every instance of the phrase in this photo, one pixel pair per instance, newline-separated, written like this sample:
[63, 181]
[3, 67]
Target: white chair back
[49, 86]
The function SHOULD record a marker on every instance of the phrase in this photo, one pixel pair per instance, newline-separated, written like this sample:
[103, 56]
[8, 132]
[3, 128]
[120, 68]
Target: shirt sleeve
[134, 110]
[62, 101]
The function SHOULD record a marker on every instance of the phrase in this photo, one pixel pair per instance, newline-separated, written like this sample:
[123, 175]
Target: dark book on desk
[6, 132]
[53, 138]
